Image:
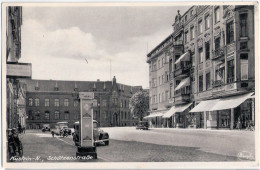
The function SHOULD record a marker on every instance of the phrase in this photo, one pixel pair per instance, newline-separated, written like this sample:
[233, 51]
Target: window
[104, 103]
[154, 67]
[166, 95]
[159, 98]
[37, 102]
[243, 45]
[243, 25]
[217, 15]
[201, 83]
[66, 102]
[207, 24]
[159, 63]
[244, 66]
[76, 103]
[200, 27]
[163, 99]
[217, 43]
[30, 115]
[192, 33]
[46, 102]
[186, 37]
[122, 104]
[186, 17]
[30, 101]
[230, 73]
[191, 12]
[207, 81]
[76, 116]
[159, 80]
[56, 115]
[115, 100]
[170, 66]
[200, 55]
[192, 59]
[66, 115]
[37, 115]
[125, 103]
[230, 32]
[207, 46]
[56, 102]
[47, 115]
[163, 61]
[163, 79]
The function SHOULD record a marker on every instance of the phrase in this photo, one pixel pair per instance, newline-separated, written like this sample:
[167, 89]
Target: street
[156, 145]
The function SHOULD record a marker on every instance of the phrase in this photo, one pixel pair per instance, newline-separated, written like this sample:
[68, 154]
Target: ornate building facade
[208, 57]
[52, 101]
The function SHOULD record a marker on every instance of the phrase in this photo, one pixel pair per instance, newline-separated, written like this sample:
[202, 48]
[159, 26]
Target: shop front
[226, 113]
[155, 120]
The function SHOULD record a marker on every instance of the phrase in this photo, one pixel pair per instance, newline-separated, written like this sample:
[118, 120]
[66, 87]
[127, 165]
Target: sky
[85, 43]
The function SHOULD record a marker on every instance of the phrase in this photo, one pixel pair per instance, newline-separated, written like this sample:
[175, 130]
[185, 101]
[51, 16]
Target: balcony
[182, 69]
[218, 53]
[217, 83]
[182, 98]
[177, 43]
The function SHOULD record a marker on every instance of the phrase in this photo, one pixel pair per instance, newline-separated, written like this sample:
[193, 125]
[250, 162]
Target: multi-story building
[211, 49]
[15, 98]
[52, 101]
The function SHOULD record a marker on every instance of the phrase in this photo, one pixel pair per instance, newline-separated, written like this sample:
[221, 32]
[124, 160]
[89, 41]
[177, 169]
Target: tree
[139, 104]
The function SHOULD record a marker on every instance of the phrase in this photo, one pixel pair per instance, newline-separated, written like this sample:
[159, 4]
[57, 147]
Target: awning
[221, 104]
[175, 109]
[183, 83]
[231, 102]
[204, 105]
[183, 57]
[157, 114]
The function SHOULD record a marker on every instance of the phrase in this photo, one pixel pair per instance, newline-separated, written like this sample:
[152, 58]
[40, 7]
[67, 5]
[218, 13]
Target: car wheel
[106, 142]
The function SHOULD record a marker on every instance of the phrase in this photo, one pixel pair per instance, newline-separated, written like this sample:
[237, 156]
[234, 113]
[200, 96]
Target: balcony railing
[182, 68]
[219, 53]
[182, 98]
[179, 42]
[217, 83]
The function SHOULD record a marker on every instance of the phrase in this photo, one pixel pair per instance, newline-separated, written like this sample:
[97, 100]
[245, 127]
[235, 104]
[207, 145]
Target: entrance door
[115, 119]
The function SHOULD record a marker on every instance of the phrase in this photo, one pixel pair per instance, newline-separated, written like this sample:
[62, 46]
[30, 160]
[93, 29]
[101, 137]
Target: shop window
[217, 14]
[46, 102]
[230, 32]
[47, 115]
[56, 102]
[207, 22]
[243, 25]
[207, 46]
[37, 102]
[66, 102]
[30, 101]
[244, 66]
[56, 115]
[201, 55]
[207, 81]
[230, 74]
[200, 83]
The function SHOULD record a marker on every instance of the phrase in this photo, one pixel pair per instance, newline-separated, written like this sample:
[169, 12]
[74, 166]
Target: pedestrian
[52, 133]
[238, 124]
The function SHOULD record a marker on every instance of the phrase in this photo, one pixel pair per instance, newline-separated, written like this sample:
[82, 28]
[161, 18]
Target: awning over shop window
[175, 109]
[183, 57]
[230, 102]
[158, 114]
[183, 83]
[204, 105]
[221, 104]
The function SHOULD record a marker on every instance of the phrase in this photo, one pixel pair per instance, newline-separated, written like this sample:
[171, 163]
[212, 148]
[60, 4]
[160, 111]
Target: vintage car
[142, 125]
[46, 127]
[61, 129]
[99, 135]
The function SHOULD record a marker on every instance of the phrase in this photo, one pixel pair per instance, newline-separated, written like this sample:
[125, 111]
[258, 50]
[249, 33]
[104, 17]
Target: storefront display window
[224, 119]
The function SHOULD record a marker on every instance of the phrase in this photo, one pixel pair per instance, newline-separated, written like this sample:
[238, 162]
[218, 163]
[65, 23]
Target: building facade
[15, 97]
[51, 101]
[208, 58]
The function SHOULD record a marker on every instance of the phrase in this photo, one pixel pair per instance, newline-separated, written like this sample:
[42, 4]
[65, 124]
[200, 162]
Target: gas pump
[87, 147]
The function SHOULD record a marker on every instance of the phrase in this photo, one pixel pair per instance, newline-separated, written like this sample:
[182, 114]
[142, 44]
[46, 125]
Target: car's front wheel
[106, 142]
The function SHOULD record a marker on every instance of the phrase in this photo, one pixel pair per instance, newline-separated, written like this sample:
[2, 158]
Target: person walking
[52, 133]
[238, 123]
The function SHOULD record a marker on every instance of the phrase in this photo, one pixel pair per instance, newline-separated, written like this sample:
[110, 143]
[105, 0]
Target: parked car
[61, 129]
[46, 127]
[142, 125]
[99, 135]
